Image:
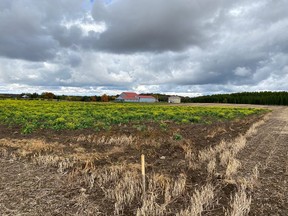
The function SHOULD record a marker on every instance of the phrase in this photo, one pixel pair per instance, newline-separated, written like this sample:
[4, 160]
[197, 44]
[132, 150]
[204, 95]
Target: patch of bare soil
[98, 173]
[29, 190]
[269, 150]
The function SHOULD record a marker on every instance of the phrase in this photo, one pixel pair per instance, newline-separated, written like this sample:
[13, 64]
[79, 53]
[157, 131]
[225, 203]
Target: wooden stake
[143, 174]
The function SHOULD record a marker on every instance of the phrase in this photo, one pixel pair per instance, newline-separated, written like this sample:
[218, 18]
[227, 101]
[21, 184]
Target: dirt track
[269, 150]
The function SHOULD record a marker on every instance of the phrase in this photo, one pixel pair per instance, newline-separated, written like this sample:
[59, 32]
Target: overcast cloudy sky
[186, 47]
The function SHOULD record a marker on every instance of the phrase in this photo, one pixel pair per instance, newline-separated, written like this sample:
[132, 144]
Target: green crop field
[88, 155]
[33, 115]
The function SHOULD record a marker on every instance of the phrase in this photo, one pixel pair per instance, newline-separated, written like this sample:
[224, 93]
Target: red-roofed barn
[134, 97]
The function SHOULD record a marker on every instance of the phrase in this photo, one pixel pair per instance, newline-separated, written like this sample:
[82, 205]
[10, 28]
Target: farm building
[147, 99]
[174, 99]
[25, 96]
[127, 97]
[134, 97]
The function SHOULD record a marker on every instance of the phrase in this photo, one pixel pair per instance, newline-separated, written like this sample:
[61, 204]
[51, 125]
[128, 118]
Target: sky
[183, 47]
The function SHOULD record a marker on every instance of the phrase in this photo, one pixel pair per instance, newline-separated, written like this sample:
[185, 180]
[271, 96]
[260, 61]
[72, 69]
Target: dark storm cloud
[135, 26]
[247, 51]
[28, 27]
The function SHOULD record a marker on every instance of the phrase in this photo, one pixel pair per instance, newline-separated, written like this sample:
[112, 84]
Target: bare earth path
[269, 150]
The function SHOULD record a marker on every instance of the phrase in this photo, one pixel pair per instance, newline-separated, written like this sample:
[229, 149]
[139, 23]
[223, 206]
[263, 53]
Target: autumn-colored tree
[104, 98]
[47, 95]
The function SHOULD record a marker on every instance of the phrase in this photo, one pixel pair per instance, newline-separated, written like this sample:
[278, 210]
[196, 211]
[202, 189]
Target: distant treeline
[51, 96]
[265, 98]
[95, 98]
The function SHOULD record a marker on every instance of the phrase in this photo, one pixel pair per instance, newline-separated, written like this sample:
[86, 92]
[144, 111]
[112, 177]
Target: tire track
[269, 150]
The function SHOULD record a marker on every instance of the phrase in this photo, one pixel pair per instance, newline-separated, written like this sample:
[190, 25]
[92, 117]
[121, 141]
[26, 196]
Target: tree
[93, 98]
[34, 95]
[104, 98]
[86, 98]
[47, 95]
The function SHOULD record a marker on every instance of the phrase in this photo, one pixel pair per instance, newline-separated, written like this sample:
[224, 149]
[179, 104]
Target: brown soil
[27, 189]
[269, 150]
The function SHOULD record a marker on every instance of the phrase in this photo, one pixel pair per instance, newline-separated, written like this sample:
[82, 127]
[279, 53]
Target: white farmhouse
[174, 99]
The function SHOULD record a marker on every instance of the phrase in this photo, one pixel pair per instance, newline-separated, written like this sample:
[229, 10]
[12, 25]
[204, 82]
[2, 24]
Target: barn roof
[129, 95]
[132, 96]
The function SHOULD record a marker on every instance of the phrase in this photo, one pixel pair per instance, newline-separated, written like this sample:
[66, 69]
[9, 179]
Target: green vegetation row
[34, 114]
[264, 98]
